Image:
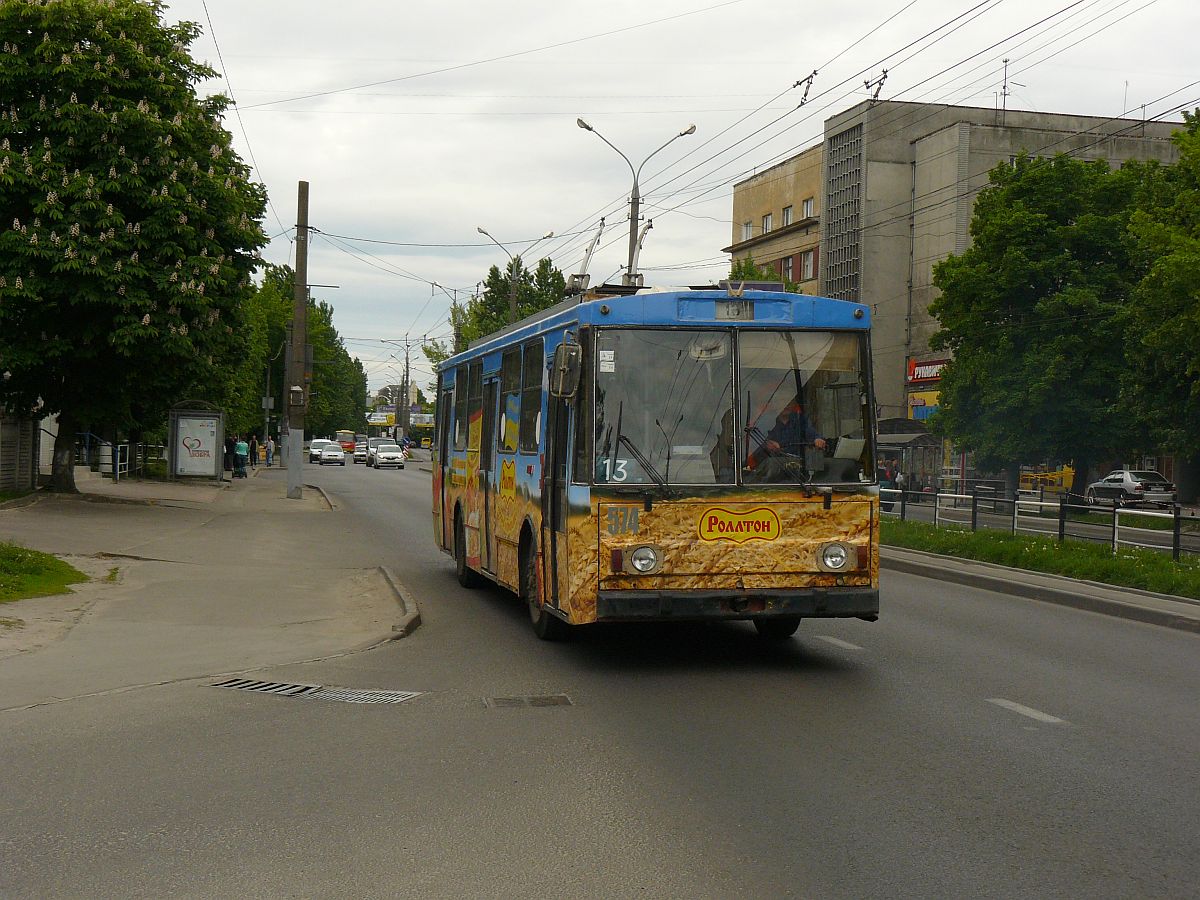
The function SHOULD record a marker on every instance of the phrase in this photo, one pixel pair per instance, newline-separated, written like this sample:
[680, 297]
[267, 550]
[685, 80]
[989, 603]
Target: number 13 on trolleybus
[641, 454]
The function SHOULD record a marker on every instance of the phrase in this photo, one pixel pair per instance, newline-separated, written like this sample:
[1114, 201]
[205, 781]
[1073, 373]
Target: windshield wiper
[643, 462]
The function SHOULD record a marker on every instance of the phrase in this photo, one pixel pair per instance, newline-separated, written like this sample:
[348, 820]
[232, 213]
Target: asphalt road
[968, 744]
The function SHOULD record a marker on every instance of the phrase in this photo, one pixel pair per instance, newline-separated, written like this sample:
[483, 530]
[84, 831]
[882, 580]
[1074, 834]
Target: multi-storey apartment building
[776, 218]
[899, 186]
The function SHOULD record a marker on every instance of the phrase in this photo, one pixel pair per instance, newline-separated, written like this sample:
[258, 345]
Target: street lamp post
[512, 281]
[635, 197]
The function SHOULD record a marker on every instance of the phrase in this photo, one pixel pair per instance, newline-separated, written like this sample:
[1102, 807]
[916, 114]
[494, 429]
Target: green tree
[338, 395]
[131, 227]
[1030, 311]
[746, 269]
[1161, 326]
[490, 310]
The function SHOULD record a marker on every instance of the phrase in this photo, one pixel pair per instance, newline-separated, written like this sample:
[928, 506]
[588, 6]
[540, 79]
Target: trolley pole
[296, 392]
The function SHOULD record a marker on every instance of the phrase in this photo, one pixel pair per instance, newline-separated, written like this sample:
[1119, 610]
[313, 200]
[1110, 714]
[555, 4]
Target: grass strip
[1133, 567]
[30, 573]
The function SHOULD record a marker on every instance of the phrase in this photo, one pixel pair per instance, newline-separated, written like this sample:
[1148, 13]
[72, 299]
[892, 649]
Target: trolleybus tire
[467, 576]
[545, 625]
[777, 629]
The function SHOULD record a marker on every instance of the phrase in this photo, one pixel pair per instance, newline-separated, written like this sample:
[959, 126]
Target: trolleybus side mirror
[564, 373]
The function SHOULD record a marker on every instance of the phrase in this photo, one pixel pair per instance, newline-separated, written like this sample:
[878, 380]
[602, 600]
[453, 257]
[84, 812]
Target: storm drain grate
[269, 687]
[352, 695]
[541, 700]
[317, 691]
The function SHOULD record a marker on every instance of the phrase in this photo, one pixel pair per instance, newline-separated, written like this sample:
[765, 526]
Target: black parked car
[1128, 486]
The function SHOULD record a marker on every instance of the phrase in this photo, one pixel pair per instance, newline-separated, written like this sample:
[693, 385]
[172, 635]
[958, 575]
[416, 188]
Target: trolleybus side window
[510, 401]
[584, 420]
[460, 408]
[474, 403]
[532, 374]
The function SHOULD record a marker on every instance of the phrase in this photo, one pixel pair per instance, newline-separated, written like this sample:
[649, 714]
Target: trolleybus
[641, 454]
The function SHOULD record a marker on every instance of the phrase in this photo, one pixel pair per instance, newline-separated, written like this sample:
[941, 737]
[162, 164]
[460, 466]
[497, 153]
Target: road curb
[324, 496]
[410, 619]
[28, 500]
[932, 565]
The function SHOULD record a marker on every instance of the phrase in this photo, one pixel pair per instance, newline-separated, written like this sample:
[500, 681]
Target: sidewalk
[205, 579]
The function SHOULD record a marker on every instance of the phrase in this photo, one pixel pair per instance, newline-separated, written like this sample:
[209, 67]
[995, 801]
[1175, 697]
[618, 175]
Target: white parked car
[315, 446]
[333, 453]
[386, 456]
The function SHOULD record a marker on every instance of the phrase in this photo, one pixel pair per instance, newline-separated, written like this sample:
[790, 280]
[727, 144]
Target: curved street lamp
[635, 197]
[512, 281]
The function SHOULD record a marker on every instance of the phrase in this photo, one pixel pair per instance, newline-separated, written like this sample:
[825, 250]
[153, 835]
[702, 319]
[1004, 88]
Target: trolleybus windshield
[668, 412]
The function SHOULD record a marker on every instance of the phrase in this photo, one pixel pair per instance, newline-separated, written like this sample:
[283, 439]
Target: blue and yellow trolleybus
[640, 454]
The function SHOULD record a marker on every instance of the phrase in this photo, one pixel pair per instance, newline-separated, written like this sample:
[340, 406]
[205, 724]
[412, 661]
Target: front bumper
[823, 603]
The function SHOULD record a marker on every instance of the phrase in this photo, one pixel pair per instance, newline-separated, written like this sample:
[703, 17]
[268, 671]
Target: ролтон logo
[720, 524]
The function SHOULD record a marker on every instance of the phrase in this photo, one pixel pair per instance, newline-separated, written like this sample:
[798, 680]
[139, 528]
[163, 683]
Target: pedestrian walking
[241, 450]
[270, 450]
[229, 444]
[254, 451]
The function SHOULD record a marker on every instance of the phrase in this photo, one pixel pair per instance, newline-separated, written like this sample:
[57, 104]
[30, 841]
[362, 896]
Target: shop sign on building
[926, 370]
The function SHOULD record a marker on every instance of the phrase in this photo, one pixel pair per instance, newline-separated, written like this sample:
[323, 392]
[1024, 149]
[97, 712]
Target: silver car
[333, 453]
[315, 446]
[388, 456]
[1124, 487]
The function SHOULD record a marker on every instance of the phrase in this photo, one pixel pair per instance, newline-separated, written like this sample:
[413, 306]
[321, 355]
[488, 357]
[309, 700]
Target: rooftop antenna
[877, 84]
[1004, 92]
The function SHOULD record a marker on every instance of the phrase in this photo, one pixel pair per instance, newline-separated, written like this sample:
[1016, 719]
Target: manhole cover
[317, 691]
[540, 700]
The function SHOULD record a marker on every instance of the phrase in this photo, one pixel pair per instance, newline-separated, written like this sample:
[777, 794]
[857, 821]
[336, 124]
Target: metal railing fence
[1065, 516]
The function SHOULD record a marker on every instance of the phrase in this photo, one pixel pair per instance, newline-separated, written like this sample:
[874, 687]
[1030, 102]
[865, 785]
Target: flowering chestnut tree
[128, 226]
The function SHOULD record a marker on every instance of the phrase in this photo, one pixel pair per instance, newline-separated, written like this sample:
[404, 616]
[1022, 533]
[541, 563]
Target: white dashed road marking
[1027, 711]
[838, 642]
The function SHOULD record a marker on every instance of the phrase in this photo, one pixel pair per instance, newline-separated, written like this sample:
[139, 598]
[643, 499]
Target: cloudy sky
[416, 122]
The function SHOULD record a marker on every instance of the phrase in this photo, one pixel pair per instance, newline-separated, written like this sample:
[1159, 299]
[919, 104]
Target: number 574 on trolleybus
[651, 455]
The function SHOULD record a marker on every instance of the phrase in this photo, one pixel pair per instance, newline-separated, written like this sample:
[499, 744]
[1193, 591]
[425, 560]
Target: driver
[790, 434]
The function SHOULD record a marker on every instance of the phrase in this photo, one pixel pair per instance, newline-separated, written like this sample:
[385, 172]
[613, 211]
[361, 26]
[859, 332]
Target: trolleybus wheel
[777, 629]
[467, 576]
[545, 624]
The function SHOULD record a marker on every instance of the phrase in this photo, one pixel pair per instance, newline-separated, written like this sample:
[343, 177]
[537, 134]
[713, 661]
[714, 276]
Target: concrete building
[776, 218]
[899, 185]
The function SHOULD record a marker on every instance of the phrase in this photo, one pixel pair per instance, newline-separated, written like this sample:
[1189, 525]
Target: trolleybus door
[554, 498]
[443, 457]
[487, 471]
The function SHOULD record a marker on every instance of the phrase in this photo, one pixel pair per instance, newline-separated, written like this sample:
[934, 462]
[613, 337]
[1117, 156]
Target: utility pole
[404, 420]
[296, 392]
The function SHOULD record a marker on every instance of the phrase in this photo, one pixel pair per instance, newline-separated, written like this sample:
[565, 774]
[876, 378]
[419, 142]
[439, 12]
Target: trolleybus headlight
[644, 559]
[834, 557]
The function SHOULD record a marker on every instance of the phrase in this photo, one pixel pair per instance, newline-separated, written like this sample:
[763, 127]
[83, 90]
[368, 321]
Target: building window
[766, 223]
[808, 266]
[747, 230]
[787, 268]
[787, 217]
[807, 208]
